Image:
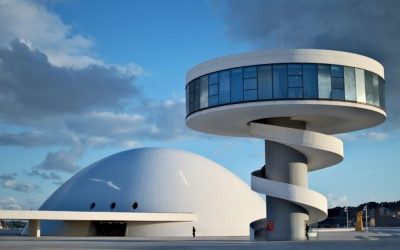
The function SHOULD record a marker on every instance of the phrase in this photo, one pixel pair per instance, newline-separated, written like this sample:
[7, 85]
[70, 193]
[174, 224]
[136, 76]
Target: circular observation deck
[331, 91]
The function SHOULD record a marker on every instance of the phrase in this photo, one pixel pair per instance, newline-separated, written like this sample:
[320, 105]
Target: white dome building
[156, 180]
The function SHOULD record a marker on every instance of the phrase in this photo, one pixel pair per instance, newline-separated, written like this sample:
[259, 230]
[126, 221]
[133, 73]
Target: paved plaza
[374, 239]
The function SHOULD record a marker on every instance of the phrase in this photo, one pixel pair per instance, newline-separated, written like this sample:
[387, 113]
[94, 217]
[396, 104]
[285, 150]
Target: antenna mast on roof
[281, 33]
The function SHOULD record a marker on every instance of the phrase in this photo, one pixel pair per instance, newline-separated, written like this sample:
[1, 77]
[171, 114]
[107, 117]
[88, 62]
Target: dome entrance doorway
[110, 228]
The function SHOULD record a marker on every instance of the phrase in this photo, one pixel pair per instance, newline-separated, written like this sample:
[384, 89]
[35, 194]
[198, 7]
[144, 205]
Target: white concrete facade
[94, 216]
[80, 223]
[286, 56]
[320, 116]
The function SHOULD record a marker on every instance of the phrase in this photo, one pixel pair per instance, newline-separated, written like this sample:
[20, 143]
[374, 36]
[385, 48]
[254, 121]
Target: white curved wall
[161, 180]
[286, 56]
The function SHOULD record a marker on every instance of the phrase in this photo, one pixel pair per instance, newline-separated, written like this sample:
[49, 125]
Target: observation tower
[295, 100]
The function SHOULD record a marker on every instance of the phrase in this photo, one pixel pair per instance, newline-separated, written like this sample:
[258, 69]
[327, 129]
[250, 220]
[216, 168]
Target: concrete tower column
[289, 166]
[284, 164]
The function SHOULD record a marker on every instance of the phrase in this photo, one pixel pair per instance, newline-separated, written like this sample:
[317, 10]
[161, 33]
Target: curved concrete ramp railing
[315, 203]
[319, 151]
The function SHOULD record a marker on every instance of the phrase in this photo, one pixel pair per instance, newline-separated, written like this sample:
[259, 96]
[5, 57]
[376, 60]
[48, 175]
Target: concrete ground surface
[374, 239]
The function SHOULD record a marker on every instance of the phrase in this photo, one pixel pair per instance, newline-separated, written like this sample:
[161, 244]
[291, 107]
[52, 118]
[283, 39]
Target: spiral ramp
[319, 150]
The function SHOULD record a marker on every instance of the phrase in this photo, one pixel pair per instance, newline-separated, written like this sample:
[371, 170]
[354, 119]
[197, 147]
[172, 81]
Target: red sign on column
[270, 226]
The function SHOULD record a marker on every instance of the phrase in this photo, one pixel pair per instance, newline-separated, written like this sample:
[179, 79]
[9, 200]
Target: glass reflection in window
[295, 69]
[264, 82]
[349, 84]
[310, 81]
[337, 94]
[336, 71]
[295, 81]
[250, 72]
[196, 96]
[213, 78]
[375, 83]
[280, 86]
[204, 92]
[224, 87]
[250, 83]
[360, 86]
[250, 95]
[324, 81]
[213, 90]
[296, 93]
[369, 89]
[237, 85]
[213, 100]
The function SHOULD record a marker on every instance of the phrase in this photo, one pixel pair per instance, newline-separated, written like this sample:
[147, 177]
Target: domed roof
[160, 180]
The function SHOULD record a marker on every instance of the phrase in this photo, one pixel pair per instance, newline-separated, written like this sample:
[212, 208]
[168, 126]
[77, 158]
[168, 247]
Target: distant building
[383, 211]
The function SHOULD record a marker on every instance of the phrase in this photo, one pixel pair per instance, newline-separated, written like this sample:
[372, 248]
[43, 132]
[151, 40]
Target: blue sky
[80, 80]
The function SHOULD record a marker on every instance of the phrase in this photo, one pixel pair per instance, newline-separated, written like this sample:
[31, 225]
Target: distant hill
[384, 214]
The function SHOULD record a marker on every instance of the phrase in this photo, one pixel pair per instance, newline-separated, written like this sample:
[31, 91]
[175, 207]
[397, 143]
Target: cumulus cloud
[84, 108]
[338, 201]
[44, 30]
[166, 119]
[105, 127]
[9, 203]
[41, 29]
[9, 181]
[367, 27]
[44, 175]
[32, 88]
[62, 160]
[52, 176]
[151, 120]
[33, 138]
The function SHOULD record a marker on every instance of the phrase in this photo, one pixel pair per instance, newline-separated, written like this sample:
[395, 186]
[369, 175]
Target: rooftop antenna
[281, 33]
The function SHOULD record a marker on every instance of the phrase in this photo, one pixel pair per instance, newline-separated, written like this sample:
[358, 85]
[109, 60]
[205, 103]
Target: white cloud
[103, 123]
[150, 120]
[32, 89]
[377, 136]
[130, 70]
[62, 160]
[335, 201]
[9, 203]
[44, 175]
[34, 138]
[45, 31]
[9, 181]
[34, 25]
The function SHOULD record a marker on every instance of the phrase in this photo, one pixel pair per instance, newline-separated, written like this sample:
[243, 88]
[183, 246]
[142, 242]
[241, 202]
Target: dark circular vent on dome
[113, 205]
[135, 205]
[92, 205]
